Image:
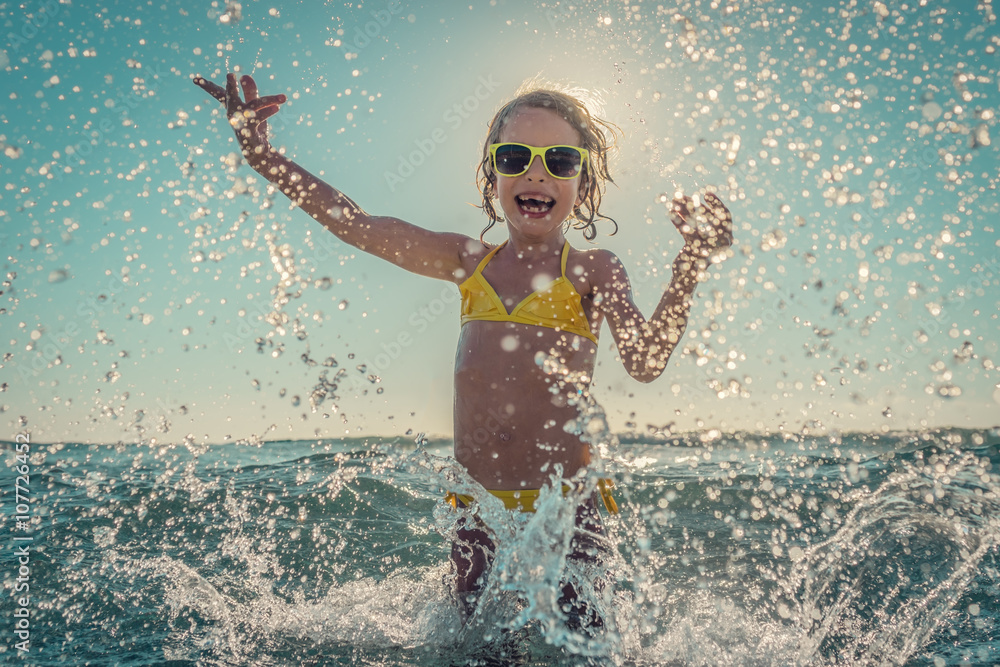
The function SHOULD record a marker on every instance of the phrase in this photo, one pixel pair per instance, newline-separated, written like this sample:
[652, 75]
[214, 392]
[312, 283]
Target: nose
[536, 170]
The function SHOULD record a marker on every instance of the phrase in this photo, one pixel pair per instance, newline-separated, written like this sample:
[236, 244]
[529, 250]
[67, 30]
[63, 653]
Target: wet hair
[596, 135]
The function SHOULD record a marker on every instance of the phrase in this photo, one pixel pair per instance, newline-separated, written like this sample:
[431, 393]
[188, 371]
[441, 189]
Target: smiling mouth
[535, 204]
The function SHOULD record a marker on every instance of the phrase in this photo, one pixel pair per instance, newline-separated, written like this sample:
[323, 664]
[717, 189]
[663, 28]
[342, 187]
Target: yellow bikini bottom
[523, 500]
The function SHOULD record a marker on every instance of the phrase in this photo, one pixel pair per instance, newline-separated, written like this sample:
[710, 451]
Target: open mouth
[534, 204]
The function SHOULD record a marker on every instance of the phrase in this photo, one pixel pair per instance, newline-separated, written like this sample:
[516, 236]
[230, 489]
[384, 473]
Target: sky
[156, 289]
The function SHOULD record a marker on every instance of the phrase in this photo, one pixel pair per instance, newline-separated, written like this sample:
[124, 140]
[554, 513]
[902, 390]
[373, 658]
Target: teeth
[535, 203]
[540, 198]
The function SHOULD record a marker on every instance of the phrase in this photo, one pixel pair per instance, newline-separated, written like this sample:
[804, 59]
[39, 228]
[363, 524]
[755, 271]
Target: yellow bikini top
[558, 306]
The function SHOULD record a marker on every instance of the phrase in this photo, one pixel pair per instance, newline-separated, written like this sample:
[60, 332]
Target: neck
[536, 249]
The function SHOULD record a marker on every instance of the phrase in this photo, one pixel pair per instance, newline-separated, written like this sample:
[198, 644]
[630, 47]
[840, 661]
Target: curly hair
[596, 135]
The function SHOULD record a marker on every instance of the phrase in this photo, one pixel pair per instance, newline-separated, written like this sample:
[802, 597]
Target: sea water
[738, 549]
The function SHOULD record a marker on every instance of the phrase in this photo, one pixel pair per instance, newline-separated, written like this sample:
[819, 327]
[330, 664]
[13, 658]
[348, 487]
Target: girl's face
[534, 203]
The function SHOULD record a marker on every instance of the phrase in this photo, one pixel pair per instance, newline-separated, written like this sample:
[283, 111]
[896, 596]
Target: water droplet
[931, 110]
[965, 353]
[58, 276]
[949, 391]
[597, 425]
[541, 281]
[773, 240]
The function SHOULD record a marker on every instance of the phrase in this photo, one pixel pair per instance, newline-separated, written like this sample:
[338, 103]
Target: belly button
[505, 436]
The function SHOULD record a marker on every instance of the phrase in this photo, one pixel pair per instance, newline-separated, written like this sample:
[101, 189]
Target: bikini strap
[486, 260]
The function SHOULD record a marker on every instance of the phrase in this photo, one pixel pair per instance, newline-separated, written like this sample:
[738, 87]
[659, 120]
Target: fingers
[719, 208]
[722, 219]
[212, 89]
[268, 103]
[252, 98]
[249, 87]
[680, 212]
[233, 101]
[705, 225]
[682, 205]
[265, 113]
[272, 100]
[263, 107]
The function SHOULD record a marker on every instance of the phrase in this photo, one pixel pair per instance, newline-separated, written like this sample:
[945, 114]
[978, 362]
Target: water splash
[876, 590]
[728, 550]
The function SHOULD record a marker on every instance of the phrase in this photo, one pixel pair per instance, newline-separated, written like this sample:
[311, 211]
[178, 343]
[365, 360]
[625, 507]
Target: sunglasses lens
[512, 160]
[563, 162]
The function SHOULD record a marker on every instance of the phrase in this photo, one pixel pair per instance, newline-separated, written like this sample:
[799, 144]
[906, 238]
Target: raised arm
[428, 253]
[646, 345]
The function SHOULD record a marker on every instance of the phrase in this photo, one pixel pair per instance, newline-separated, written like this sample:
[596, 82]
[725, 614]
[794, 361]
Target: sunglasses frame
[540, 150]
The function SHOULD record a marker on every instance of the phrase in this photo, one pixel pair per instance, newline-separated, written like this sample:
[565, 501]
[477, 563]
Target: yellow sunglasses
[562, 162]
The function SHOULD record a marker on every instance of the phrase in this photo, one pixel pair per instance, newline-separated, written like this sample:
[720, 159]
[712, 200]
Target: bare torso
[510, 413]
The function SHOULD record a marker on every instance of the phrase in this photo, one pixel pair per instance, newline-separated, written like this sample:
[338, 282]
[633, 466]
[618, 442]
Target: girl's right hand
[248, 118]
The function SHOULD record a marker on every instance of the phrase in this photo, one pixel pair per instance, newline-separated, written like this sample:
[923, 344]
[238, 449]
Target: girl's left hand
[707, 227]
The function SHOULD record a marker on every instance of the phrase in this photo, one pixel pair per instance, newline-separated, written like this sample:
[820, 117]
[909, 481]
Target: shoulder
[597, 262]
[601, 268]
[471, 253]
[592, 259]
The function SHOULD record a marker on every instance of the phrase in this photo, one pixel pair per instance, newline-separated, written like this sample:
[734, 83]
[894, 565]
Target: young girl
[531, 298]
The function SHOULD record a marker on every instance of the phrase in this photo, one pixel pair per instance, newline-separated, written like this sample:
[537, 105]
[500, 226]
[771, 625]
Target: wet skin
[509, 413]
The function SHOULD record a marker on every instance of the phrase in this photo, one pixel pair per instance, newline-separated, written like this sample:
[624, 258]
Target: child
[544, 162]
